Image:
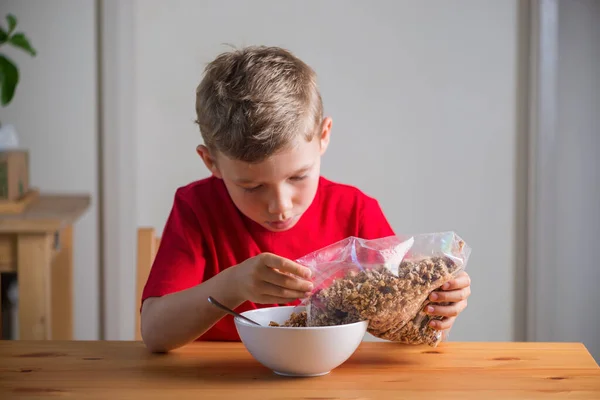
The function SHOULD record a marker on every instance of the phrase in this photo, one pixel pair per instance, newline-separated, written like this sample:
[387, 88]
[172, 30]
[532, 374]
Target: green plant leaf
[19, 40]
[12, 23]
[9, 77]
[3, 35]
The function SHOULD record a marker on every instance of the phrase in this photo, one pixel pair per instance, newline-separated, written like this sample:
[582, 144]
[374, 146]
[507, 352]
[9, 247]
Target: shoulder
[361, 210]
[201, 201]
[201, 193]
[345, 195]
[197, 190]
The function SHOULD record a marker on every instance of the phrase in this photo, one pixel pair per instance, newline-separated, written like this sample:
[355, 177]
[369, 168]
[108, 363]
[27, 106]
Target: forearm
[176, 319]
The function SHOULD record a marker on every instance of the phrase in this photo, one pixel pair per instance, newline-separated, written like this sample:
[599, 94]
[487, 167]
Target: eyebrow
[298, 171]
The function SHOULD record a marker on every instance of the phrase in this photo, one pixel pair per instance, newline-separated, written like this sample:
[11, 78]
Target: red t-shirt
[206, 233]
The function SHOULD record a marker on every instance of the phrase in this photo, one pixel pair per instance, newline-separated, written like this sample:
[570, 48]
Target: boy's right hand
[267, 278]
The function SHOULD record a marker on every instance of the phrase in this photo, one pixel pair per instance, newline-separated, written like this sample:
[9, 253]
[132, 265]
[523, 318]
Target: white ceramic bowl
[311, 351]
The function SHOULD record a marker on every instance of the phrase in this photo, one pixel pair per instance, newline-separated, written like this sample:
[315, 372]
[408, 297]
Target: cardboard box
[14, 174]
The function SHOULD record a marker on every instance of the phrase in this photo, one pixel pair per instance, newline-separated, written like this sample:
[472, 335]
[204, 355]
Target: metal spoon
[228, 310]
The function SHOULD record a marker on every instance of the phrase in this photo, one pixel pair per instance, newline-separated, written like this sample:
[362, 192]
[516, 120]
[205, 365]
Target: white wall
[426, 95]
[577, 182]
[422, 97]
[54, 111]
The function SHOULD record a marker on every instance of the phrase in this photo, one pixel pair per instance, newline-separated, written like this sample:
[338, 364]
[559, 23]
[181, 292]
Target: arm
[173, 320]
[171, 296]
[178, 318]
[175, 308]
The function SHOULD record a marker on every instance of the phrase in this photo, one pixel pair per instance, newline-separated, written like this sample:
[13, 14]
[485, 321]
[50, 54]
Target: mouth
[280, 225]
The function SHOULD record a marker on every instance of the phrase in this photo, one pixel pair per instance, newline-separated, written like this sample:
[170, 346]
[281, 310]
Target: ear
[325, 134]
[209, 160]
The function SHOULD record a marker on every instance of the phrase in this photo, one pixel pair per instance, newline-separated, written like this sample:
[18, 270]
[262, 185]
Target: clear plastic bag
[386, 281]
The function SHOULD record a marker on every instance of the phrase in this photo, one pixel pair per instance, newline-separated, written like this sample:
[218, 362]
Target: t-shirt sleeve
[179, 263]
[373, 224]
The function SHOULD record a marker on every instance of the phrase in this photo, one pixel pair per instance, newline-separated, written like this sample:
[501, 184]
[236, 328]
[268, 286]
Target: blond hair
[256, 101]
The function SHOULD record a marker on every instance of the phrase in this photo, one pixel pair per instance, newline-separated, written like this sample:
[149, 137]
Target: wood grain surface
[48, 213]
[126, 370]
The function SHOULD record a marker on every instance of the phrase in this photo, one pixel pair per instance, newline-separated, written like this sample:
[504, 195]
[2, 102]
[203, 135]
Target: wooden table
[37, 245]
[118, 370]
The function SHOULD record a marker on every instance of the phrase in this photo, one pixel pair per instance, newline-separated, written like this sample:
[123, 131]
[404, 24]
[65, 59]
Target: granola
[392, 301]
[417, 330]
[296, 320]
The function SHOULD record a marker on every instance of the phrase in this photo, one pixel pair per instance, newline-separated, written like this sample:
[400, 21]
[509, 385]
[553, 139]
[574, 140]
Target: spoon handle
[230, 311]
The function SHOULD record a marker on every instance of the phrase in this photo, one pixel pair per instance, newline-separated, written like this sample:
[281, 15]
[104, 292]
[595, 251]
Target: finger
[452, 296]
[285, 265]
[446, 311]
[268, 289]
[462, 280]
[287, 281]
[265, 299]
[442, 325]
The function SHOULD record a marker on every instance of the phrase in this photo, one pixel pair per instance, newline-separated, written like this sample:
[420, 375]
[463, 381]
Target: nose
[280, 202]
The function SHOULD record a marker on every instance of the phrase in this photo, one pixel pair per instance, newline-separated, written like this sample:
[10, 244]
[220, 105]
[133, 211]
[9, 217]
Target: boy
[233, 235]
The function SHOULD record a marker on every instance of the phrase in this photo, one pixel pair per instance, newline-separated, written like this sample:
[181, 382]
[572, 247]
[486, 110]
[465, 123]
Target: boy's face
[276, 192]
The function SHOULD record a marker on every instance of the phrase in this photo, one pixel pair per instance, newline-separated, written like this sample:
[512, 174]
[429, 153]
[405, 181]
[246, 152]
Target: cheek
[305, 192]
[248, 203]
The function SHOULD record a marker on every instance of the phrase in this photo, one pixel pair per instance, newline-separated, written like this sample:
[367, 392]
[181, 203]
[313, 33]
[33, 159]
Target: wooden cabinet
[37, 244]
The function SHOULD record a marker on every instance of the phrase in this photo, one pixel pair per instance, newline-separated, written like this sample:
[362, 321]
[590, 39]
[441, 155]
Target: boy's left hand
[454, 292]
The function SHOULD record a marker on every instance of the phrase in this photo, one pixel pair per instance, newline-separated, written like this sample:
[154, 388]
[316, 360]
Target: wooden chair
[147, 245]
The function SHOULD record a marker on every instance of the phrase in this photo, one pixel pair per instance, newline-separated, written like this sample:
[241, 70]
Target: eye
[252, 189]
[298, 178]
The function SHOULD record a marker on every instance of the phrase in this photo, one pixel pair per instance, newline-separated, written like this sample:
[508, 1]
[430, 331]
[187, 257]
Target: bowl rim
[301, 328]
